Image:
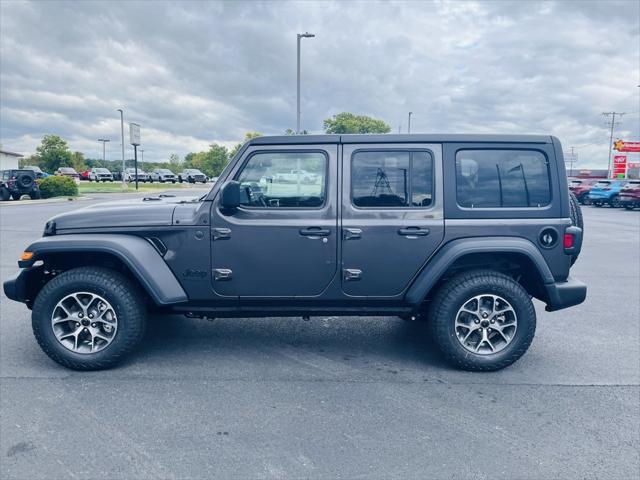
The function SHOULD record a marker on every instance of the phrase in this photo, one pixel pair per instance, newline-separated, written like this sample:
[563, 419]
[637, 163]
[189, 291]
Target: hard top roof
[399, 138]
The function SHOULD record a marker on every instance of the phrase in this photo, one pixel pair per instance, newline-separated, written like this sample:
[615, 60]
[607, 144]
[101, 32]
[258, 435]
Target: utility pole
[104, 141]
[122, 144]
[142, 154]
[612, 124]
[572, 160]
[300, 36]
[409, 124]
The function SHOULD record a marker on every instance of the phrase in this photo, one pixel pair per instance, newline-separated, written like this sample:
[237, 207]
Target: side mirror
[230, 196]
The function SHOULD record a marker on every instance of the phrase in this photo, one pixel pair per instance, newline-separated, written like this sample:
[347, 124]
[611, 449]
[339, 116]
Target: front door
[282, 241]
[392, 215]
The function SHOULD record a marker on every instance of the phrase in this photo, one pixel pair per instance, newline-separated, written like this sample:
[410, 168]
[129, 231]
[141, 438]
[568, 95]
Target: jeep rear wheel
[482, 320]
[88, 318]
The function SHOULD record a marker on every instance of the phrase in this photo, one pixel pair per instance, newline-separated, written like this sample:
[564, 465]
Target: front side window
[284, 180]
[502, 178]
[392, 179]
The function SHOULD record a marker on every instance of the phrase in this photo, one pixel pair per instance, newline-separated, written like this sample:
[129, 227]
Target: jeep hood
[139, 212]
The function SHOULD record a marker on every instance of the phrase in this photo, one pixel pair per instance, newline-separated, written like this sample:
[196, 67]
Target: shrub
[58, 187]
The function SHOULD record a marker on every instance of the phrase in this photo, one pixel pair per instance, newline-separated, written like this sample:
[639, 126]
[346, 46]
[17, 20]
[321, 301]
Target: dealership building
[8, 160]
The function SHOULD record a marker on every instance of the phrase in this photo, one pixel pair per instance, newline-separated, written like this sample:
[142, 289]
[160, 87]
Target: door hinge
[221, 233]
[222, 274]
[352, 274]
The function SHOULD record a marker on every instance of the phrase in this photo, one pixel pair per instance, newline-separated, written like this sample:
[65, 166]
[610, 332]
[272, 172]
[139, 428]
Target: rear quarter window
[495, 178]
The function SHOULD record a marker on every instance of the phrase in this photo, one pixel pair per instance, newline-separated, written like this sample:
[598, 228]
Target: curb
[40, 202]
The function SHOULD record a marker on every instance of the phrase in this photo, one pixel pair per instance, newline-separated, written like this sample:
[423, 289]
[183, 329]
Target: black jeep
[461, 231]
[16, 183]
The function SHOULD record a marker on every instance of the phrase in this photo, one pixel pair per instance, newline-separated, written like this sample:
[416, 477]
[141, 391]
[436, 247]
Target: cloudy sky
[192, 73]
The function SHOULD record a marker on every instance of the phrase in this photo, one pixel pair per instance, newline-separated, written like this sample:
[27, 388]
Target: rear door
[392, 218]
[282, 241]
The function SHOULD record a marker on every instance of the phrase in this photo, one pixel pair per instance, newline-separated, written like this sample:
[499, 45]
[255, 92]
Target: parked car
[630, 195]
[316, 249]
[162, 175]
[16, 183]
[130, 175]
[84, 175]
[581, 187]
[99, 174]
[117, 176]
[37, 170]
[69, 172]
[295, 176]
[192, 175]
[606, 192]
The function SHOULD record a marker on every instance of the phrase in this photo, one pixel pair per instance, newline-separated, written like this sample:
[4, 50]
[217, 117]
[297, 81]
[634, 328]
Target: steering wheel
[253, 198]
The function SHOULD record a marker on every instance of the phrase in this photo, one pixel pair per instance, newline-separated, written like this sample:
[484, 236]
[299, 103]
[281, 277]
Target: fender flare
[136, 253]
[452, 251]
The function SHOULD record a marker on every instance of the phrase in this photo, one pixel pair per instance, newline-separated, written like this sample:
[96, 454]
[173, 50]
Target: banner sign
[619, 166]
[623, 146]
[134, 133]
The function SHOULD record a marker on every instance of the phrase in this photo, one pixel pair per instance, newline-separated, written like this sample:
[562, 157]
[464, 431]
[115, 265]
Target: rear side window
[502, 178]
[392, 179]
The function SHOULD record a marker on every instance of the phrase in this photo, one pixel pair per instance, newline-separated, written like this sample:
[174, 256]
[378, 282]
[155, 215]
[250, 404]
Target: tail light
[572, 240]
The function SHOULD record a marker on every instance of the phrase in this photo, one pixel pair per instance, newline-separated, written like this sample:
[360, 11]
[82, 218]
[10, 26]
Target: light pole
[122, 140]
[104, 141]
[300, 36]
[409, 123]
[142, 154]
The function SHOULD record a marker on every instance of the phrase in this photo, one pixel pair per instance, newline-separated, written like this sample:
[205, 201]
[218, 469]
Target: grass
[116, 187]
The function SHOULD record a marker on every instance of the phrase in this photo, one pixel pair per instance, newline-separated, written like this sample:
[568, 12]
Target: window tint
[284, 180]
[392, 179]
[502, 178]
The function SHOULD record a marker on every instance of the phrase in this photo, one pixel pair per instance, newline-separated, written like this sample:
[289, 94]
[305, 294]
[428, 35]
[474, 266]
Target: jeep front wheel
[482, 320]
[88, 318]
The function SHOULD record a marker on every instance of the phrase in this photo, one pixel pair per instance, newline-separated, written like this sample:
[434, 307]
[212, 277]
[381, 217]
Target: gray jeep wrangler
[461, 231]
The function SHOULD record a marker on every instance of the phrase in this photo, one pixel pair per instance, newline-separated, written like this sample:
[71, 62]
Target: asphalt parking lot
[333, 397]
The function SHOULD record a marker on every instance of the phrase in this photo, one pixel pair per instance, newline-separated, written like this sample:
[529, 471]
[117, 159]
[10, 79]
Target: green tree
[78, 162]
[211, 162]
[247, 136]
[346, 122]
[53, 153]
[174, 159]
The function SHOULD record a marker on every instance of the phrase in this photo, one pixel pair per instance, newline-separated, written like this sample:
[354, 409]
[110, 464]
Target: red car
[84, 175]
[581, 187]
[630, 196]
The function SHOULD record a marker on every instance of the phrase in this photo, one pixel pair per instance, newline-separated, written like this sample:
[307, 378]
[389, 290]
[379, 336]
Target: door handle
[352, 233]
[315, 232]
[413, 232]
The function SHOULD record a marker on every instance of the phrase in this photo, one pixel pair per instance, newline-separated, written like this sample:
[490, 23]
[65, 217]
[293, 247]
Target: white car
[100, 174]
[130, 175]
[162, 175]
[295, 176]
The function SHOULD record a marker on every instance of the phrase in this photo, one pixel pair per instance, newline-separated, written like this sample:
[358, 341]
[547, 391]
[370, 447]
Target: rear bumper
[624, 200]
[565, 294]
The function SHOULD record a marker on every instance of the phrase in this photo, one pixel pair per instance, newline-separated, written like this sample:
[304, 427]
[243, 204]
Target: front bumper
[565, 294]
[15, 287]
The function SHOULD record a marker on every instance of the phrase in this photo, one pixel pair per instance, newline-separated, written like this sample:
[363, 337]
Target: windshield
[164, 171]
[67, 170]
[632, 185]
[35, 169]
[101, 170]
[576, 183]
[194, 171]
[602, 184]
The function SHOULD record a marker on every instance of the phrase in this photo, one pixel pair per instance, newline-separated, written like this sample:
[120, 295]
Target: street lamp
[122, 139]
[409, 124]
[300, 36]
[104, 141]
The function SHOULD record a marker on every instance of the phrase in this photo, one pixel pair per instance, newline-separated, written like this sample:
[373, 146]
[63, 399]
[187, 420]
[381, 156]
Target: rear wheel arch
[515, 257]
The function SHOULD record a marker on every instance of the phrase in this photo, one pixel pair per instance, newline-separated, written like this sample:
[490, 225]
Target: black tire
[575, 212]
[584, 199]
[455, 293]
[4, 194]
[35, 195]
[114, 287]
[614, 202]
[173, 181]
[180, 179]
[16, 196]
[25, 181]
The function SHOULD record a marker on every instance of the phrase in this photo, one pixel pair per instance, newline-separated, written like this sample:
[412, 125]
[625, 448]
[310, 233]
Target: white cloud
[197, 72]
